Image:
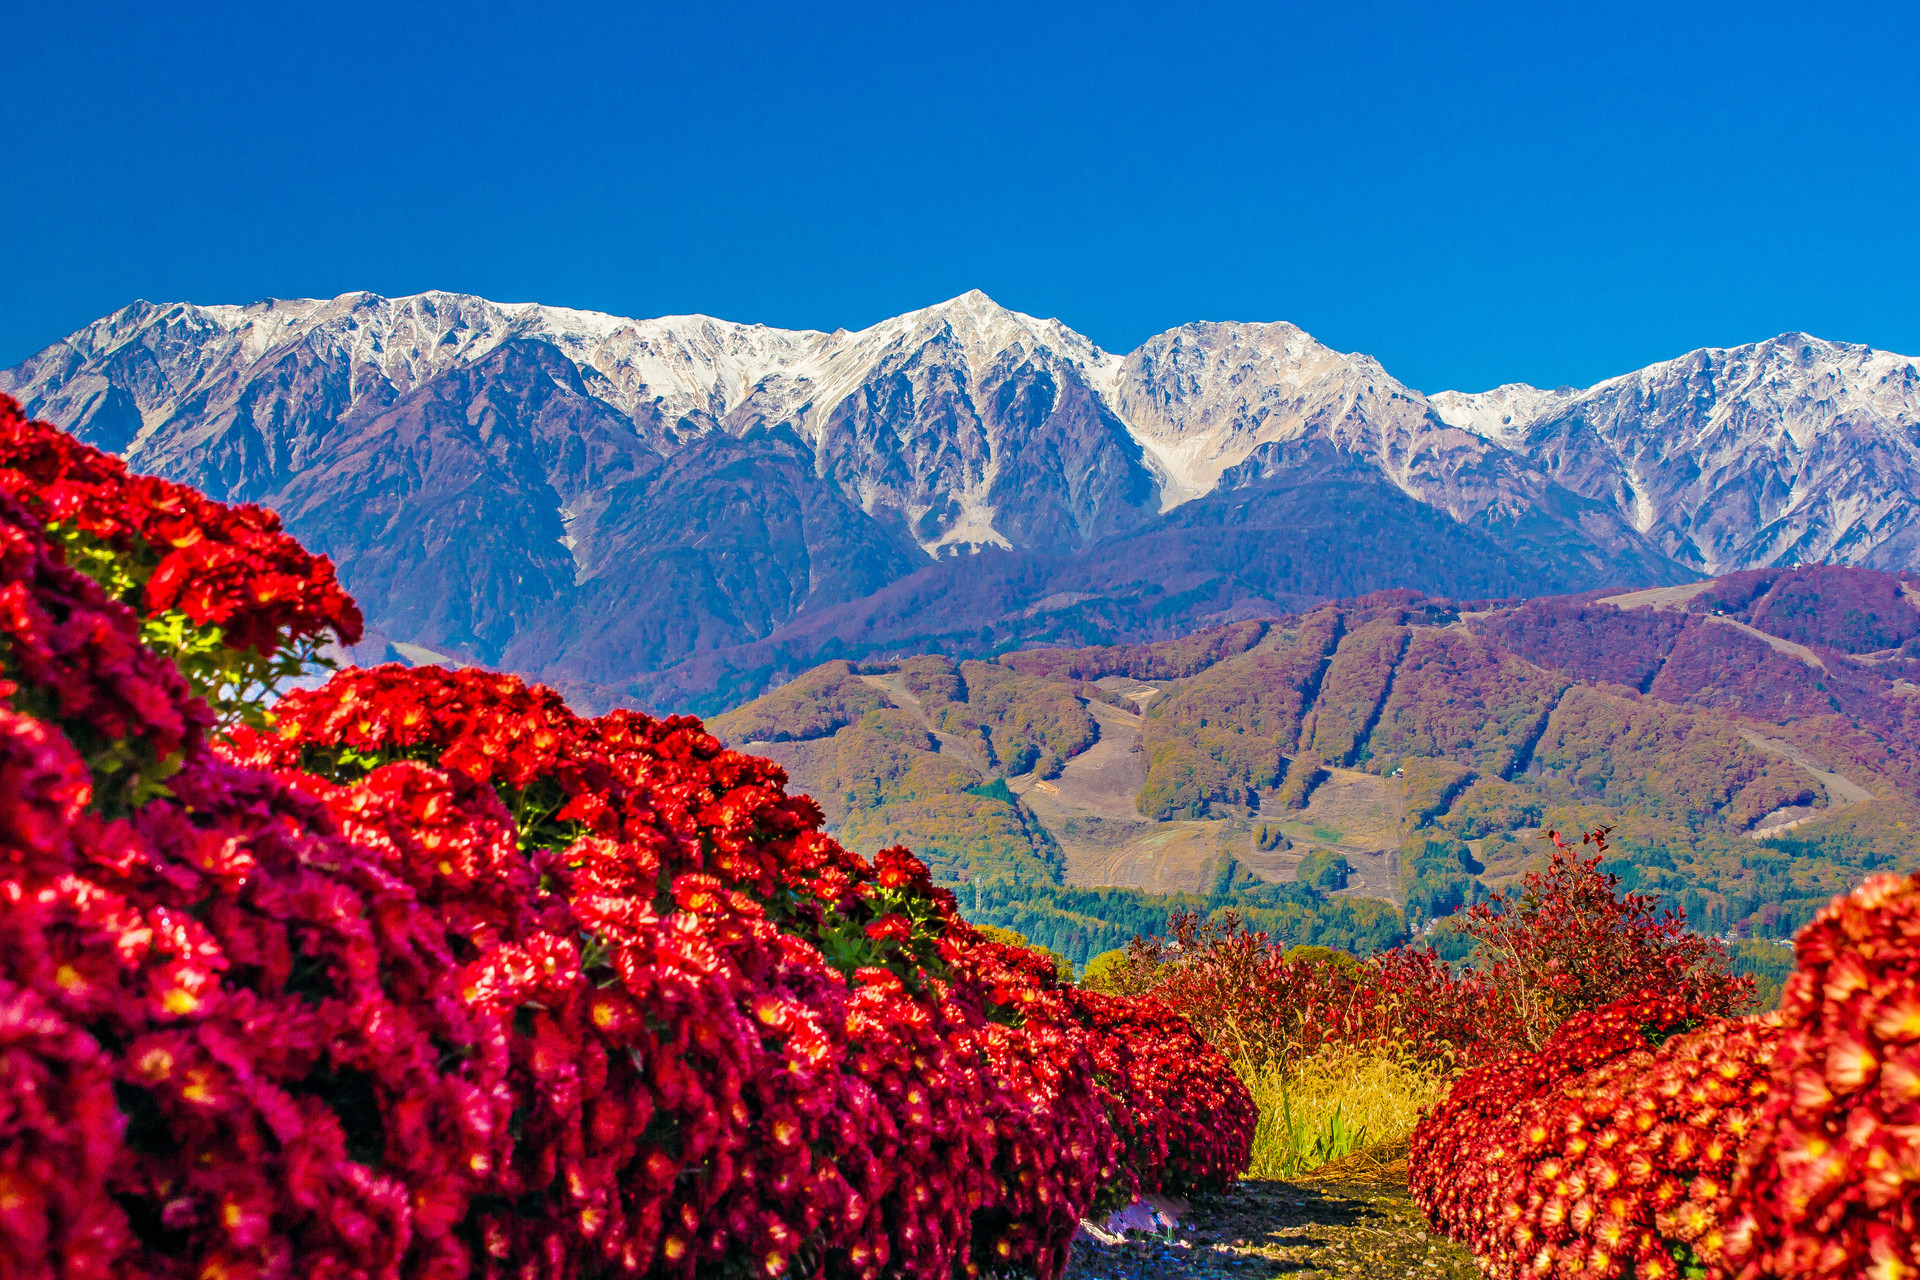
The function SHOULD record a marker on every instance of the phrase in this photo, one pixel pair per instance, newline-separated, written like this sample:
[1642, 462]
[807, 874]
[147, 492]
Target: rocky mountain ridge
[493, 476]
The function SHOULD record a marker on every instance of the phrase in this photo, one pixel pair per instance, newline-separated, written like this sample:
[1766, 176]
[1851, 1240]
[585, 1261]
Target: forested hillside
[1366, 768]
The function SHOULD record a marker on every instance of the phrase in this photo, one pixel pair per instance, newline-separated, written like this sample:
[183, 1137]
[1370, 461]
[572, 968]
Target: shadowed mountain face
[679, 511]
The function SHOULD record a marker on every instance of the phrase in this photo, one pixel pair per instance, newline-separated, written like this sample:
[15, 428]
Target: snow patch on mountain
[1502, 414]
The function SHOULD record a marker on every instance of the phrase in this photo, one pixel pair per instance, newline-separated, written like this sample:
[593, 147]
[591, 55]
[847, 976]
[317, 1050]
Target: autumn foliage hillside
[1757, 742]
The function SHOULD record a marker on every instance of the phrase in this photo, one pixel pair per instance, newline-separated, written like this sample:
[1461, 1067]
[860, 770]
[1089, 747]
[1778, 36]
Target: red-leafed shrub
[1565, 941]
[1568, 940]
[1244, 993]
[435, 978]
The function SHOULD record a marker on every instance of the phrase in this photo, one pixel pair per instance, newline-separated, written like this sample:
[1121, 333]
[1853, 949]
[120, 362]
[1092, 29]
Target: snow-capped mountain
[594, 498]
[1791, 450]
[937, 418]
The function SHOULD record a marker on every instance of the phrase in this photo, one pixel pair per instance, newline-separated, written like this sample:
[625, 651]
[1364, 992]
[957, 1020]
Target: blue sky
[1475, 194]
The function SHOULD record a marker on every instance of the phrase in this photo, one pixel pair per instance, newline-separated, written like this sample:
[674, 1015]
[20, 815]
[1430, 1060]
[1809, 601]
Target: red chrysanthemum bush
[1828, 1186]
[1184, 1119]
[197, 939]
[220, 589]
[1601, 1153]
[1658, 1138]
[425, 975]
[982, 1030]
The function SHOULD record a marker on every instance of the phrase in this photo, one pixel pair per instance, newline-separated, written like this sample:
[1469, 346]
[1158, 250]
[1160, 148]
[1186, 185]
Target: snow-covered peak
[1502, 414]
[672, 365]
[981, 328]
[1790, 447]
[1200, 398]
[1778, 371]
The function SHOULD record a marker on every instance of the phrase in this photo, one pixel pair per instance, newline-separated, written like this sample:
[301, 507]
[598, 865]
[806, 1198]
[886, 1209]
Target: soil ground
[1659, 597]
[1841, 792]
[1159, 857]
[1352, 813]
[1350, 1218]
[1102, 781]
[1127, 687]
[1787, 647]
[1089, 809]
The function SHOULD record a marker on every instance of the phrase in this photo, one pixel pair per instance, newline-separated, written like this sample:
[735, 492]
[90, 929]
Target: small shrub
[1325, 869]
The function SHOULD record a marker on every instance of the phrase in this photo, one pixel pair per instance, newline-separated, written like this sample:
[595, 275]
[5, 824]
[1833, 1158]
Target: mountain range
[680, 512]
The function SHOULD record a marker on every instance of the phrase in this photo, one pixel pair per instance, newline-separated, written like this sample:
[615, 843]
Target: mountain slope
[1755, 742]
[1792, 450]
[675, 509]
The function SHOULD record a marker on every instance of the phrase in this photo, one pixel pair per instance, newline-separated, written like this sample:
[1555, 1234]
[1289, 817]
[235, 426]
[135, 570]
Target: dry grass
[1332, 1105]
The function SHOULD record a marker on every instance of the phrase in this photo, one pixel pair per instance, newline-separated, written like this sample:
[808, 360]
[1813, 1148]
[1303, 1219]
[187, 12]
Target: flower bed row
[422, 974]
[1651, 1138]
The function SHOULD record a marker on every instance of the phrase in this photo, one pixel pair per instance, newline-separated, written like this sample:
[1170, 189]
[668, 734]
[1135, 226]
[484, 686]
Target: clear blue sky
[1475, 194]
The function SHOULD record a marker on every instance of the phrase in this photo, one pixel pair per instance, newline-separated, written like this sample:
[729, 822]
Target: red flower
[890, 928]
[229, 566]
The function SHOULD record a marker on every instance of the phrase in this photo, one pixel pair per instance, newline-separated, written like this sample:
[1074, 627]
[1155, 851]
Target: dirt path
[1102, 780]
[895, 687]
[1658, 597]
[1353, 1218]
[1790, 648]
[1089, 809]
[1841, 792]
